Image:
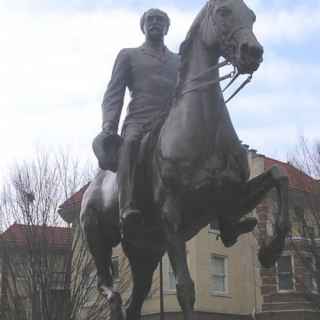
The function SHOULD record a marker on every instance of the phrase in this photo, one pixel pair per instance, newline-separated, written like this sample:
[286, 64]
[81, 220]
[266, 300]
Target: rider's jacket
[151, 80]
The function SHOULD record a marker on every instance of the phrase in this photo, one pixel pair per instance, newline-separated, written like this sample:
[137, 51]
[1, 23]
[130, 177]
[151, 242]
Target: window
[297, 221]
[115, 268]
[303, 224]
[308, 232]
[58, 281]
[218, 275]
[20, 268]
[90, 282]
[58, 306]
[214, 225]
[309, 279]
[169, 279]
[285, 273]
[23, 306]
[172, 279]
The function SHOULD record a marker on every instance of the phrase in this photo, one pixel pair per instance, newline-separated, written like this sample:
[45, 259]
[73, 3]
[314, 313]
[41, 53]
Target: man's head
[155, 23]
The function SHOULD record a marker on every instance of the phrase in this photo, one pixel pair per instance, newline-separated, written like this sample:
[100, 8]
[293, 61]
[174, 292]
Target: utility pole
[161, 291]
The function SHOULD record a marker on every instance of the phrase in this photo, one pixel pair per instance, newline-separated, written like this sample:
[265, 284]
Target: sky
[56, 58]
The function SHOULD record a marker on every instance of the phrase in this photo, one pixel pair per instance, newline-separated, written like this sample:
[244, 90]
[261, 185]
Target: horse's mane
[186, 44]
[183, 52]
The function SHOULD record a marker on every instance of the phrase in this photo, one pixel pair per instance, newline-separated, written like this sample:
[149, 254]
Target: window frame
[213, 230]
[171, 278]
[167, 270]
[212, 291]
[55, 283]
[314, 288]
[286, 254]
[302, 226]
[117, 260]
[90, 275]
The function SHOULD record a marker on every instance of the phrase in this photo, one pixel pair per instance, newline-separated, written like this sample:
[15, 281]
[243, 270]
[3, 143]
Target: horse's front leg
[185, 286]
[176, 249]
[256, 190]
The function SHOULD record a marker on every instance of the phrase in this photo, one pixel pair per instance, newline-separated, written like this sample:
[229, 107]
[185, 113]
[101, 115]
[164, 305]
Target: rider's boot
[130, 216]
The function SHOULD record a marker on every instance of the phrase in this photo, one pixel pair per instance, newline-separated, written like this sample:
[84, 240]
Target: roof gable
[298, 180]
[22, 235]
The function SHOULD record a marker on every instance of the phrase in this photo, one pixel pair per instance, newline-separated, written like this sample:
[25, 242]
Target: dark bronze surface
[197, 168]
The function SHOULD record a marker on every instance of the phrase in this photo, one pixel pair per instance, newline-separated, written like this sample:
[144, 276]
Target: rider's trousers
[126, 174]
[127, 164]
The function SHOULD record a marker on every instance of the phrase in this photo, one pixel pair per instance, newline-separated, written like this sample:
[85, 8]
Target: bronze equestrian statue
[189, 170]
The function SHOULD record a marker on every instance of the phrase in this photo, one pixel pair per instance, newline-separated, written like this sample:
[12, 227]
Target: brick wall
[197, 316]
[284, 315]
[287, 315]
[277, 303]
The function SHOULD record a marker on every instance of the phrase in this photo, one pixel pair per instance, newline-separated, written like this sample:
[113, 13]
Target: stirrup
[130, 213]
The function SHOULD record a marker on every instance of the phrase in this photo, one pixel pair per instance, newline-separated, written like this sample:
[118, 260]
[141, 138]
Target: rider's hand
[108, 130]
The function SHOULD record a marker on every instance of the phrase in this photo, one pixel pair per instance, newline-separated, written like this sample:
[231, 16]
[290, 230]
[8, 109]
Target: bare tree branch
[37, 267]
[306, 217]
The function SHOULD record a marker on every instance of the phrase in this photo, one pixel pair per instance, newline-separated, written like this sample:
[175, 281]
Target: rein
[233, 75]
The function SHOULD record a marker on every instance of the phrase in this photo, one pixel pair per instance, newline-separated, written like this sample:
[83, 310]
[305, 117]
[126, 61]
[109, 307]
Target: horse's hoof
[246, 225]
[106, 292]
[115, 298]
[270, 253]
[104, 286]
[230, 241]
[266, 257]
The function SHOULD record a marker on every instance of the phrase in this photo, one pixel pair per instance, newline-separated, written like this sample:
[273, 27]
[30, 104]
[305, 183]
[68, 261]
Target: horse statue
[196, 170]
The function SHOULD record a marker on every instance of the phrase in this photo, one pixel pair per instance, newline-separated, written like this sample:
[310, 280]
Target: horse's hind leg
[143, 265]
[100, 248]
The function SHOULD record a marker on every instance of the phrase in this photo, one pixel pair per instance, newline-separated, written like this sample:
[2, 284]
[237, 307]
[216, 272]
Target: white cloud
[55, 66]
[279, 71]
[293, 24]
[54, 69]
[281, 104]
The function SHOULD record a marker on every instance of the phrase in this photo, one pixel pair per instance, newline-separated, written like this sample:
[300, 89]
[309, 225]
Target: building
[290, 290]
[34, 272]
[230, 284]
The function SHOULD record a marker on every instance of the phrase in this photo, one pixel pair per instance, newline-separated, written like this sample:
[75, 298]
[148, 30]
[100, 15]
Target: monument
[179, 161]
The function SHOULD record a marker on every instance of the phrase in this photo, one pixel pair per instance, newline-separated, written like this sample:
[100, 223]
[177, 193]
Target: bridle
[197, 83]
[233, 75]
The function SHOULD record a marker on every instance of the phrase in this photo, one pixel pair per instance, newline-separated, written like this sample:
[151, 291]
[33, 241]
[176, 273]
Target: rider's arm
[114, 95]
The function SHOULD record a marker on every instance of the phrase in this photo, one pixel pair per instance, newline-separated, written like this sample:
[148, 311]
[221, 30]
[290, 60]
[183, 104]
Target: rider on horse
[150, 74]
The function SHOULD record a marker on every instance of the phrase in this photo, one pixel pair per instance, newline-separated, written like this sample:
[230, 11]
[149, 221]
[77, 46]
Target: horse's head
[228, 27]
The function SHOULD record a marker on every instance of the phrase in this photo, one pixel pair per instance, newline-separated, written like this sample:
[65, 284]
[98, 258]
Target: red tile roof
[75, 199]
[297, 179]
[20, 234]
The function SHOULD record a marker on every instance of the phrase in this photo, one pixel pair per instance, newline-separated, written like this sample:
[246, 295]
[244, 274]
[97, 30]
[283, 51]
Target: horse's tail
[270, 251]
